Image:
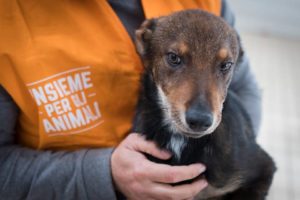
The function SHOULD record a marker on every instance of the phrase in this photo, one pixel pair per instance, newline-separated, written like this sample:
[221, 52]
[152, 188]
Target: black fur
[230, 151]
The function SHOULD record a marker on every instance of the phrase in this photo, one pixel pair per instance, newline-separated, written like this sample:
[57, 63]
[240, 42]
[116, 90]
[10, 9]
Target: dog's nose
[199, 120]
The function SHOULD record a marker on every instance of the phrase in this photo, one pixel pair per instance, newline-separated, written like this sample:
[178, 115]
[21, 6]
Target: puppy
[186, 108]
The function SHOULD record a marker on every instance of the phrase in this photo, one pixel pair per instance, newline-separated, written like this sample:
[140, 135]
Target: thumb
[149, 147]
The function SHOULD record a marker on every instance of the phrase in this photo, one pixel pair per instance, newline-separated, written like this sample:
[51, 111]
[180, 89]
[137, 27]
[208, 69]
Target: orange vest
[72, 69]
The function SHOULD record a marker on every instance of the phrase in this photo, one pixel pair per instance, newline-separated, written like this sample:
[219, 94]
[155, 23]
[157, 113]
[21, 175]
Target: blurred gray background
[270, 32]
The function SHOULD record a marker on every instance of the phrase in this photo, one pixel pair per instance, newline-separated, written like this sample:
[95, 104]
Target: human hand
[138, 178]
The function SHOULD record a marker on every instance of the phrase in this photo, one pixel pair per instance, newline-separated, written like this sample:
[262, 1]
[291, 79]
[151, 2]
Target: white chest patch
[177, 141]
[177, 144]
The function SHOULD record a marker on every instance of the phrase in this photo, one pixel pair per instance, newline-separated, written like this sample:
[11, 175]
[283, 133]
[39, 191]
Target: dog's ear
[143, 36]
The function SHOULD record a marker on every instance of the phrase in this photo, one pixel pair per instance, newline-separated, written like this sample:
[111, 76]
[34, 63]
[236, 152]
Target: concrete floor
[276, 62]
[274, 17]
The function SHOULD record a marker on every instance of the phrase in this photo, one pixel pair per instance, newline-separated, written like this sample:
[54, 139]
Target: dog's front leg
[250, 193]
[258, 190]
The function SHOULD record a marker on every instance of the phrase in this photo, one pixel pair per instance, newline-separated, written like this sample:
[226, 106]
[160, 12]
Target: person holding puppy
[68, 90]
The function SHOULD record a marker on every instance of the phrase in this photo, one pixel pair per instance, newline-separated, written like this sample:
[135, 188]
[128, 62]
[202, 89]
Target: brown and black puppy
[186, 108]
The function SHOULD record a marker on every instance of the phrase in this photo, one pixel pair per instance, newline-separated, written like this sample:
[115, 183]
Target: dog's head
[191, 56]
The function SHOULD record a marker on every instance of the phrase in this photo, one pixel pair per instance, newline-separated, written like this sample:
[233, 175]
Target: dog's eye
[173, 59]
[225, 67]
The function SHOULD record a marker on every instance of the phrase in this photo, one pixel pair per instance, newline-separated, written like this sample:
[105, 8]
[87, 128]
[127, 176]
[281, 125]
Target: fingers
[186, 191]
[138, 178]
[148, 147]
[172, 174]
[161, 172]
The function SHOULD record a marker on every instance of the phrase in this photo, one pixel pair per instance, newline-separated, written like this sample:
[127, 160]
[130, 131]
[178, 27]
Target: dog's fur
[237, 168]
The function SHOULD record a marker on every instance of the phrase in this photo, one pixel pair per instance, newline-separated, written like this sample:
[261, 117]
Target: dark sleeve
[32, 174]
[244, 83]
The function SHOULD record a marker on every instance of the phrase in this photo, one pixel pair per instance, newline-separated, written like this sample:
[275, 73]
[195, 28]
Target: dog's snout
[199, 119]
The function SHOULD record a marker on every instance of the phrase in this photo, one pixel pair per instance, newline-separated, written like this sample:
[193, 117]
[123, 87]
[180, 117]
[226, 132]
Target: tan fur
[202, 51]
[211, 191]
[181, 47]
[194, 91]
[223, 53]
